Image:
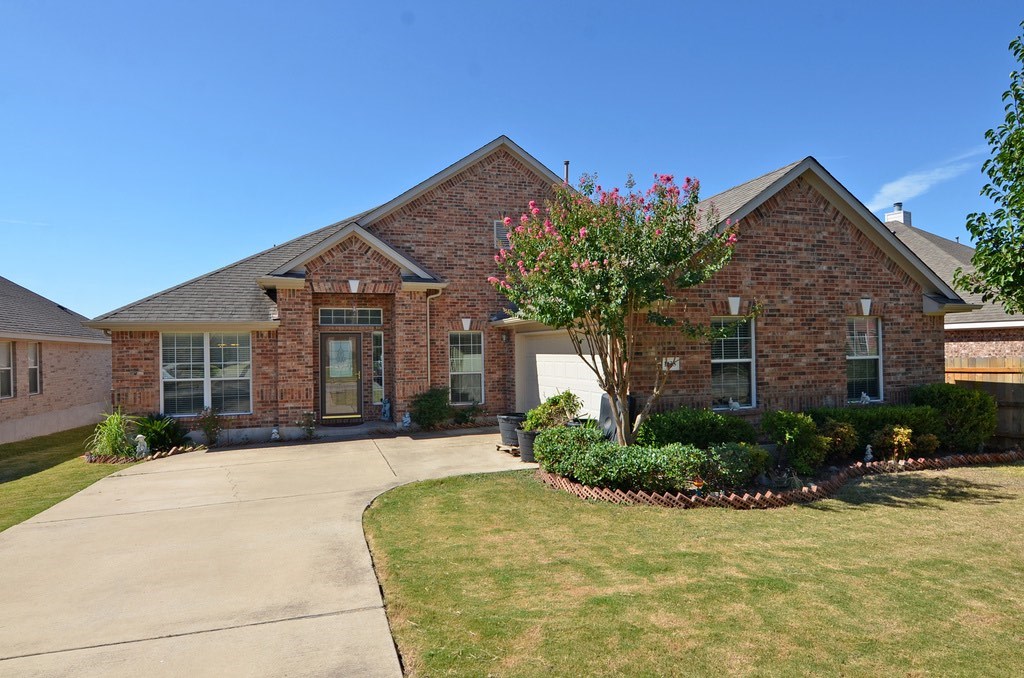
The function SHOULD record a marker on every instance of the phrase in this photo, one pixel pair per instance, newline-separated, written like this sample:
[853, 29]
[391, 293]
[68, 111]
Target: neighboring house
[395, 300]
[989, 332]
[54, 372]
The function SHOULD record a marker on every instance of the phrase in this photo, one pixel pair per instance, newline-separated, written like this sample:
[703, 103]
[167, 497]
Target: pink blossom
[520, 228]
[731, 240]
[533, 204]
[497, 259]
[493, 280]
[535, 211]
[524, 218]
[605, 262]
[583, 232]
[575, 265]
[657, 231]
[507, 221]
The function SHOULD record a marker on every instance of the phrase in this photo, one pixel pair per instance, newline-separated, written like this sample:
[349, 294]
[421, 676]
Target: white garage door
[546, 364]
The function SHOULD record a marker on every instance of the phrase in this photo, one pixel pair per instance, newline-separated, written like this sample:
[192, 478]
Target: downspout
[429, 297]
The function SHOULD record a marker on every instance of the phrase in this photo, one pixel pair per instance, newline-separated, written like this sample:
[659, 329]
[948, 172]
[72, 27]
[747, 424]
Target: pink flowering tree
[603, 265]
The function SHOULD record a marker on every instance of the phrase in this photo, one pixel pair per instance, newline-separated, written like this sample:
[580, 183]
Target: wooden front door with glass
[340, 378]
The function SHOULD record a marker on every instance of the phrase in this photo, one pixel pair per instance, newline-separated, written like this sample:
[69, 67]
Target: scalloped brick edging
[769, 499]
[111, 459]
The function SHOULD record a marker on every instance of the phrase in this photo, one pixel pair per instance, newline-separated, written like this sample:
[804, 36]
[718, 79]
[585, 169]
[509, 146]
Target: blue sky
[145, 143]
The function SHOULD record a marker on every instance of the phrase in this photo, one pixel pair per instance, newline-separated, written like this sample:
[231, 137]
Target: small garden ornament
[141, 447]
[868, 454]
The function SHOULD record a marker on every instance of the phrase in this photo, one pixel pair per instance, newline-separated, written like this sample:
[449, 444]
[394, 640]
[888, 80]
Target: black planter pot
[507, 425]
[526, 439]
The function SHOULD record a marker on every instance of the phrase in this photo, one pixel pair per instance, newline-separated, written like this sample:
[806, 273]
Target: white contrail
[916, 183]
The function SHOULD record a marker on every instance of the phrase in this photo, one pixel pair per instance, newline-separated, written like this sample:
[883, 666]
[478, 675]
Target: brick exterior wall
[991, 343]
[75, 389]
[808, 266]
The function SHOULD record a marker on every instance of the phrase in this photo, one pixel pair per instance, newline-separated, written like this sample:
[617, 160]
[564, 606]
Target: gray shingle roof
[729, 201]
[944, 256]
[22, 311]
[227, 295]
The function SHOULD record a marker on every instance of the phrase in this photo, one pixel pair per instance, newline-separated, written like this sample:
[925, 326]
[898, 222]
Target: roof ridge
[155, 295]
[46, 299]
[782, 170]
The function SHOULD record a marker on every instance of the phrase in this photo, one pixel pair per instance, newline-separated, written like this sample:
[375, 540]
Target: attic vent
[500, 235]
[65, 309]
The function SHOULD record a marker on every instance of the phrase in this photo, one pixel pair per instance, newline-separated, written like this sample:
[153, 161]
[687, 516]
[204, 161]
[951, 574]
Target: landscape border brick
[769, 499]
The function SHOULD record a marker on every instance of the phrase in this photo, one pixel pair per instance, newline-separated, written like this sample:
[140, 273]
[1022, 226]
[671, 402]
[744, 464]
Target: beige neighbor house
[54, 371]
[381, 306]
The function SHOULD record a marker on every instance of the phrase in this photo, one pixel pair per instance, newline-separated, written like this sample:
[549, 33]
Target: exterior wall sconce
[865, 305]
[353, 286]
[466, 322]
[734, 305]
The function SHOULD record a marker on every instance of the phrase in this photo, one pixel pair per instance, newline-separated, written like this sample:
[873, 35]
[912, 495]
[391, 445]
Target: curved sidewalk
[247, 562]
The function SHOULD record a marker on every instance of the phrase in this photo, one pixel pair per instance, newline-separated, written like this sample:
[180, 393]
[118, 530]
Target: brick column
[410, 349]
[294, 355]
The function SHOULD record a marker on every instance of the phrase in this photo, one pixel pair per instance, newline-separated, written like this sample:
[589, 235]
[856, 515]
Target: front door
[340, 382]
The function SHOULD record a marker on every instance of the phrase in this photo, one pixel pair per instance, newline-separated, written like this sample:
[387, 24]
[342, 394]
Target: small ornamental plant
[603, 265]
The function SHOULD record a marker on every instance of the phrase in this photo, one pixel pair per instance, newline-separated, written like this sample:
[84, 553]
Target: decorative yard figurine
[385, 409]
[141, 447]
[865, 399]
[868, 456]
[275, 435]
[733, 405]
[406, 420]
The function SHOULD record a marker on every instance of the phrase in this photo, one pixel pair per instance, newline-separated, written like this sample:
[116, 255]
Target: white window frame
[483, 387]
[881, 363]
[376, 337]
[355, 311]
[10, 355]
[752, 360]
[37, 367]
[208, 378]
[501, 241]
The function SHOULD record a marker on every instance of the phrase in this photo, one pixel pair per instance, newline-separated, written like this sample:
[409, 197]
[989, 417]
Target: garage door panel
[547, 364]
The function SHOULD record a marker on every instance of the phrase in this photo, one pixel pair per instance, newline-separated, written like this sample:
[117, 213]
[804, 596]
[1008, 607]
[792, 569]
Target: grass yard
[911, 575]
[37, 473]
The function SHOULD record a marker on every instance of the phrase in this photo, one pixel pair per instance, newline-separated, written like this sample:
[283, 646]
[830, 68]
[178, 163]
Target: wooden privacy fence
[1002, 378]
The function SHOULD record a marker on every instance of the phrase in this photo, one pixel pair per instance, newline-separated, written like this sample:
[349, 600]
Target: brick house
[394, 300]
[54, 371]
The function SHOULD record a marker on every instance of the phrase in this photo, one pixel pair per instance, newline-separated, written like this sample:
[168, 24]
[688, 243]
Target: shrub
[211, 425]
[700, 428]
[842, 440]
[557, 410]
[968, 416]
[466, 414]
[162, 432]
[926, 444]
[431, 408]
[307, 422]
[734, 465]
[869, 420]
[556, 448]
[893, 442]
[797, 436]
[110, 437]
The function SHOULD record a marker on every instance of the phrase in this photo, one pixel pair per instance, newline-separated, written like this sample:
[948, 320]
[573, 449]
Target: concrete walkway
[246, 562]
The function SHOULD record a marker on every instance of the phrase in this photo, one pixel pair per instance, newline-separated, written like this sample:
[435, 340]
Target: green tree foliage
[603, 265]
[998, 235]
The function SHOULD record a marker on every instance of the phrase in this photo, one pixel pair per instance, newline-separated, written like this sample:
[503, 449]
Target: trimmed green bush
[556, 448]
[926, 445]
[162, 432]
[893, 442]
[842, 441]
[968, 416]
[700, 428]
[870, 420]
[796, 434]
[431, 408]
[557, 410]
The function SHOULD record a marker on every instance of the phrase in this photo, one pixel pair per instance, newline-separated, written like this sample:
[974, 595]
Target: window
[35, 368]
[732, 363]
[6, 369]
[466, 367]
[378, 368]
[863, 358]
[351, 316]
[500, 235]
[206, 370]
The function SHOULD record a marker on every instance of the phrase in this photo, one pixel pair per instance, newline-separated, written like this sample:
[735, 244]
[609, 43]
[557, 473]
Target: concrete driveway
[248, 562]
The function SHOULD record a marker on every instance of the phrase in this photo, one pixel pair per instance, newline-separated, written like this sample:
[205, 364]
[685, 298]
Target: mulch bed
[769, 499]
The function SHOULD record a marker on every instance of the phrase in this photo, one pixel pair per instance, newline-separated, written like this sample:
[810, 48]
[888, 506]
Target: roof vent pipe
[566, 163]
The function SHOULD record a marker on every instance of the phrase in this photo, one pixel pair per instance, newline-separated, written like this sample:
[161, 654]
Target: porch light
[466, 322]
[734, 305]
[865, 305]
[353, 286]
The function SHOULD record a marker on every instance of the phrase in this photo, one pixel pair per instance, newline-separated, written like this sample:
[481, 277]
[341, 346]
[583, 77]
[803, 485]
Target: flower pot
[526, 439]
[507, 425]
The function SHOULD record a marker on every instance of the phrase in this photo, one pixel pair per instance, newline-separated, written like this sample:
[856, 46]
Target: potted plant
[508, 424]
[558, 410]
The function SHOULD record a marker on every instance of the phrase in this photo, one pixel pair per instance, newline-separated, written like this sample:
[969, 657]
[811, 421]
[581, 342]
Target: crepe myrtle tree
[998, 235]
[603, 265]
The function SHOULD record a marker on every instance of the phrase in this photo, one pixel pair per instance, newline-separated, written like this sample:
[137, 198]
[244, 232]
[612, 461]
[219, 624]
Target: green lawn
[912, 575]
[37, 473]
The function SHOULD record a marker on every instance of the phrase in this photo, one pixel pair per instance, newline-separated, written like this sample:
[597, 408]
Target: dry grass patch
[499, 575]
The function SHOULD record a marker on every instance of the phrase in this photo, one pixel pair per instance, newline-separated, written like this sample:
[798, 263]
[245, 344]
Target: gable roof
[944, 256]
[27, 315]
[236, 294]
[739, 201]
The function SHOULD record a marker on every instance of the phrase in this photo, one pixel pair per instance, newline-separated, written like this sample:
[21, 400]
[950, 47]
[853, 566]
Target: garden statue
[868, 456]
[141, 447]
[275, 435]
[385, 409]
[865, 399]
[733, 405]
[406, 420]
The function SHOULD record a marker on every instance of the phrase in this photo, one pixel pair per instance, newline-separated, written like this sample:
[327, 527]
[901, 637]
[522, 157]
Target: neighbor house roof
[736, 203]
[945, 256]
[27, 315]
[237, 295]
